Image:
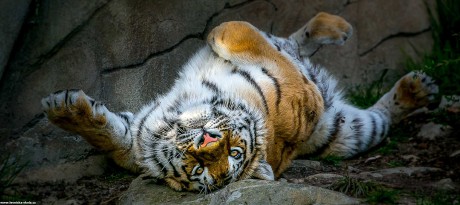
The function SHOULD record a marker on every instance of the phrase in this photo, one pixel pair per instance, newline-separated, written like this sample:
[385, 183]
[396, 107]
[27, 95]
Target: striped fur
[244, 106]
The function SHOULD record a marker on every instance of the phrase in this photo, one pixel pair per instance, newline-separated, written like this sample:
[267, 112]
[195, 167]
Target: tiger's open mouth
[208, 138]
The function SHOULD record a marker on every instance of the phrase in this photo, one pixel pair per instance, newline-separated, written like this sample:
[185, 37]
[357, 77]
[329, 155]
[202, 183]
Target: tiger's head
[205, 147]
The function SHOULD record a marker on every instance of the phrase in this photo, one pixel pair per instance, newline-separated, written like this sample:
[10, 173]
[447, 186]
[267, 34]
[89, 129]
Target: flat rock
[445, 184]
[241, 192]
[409, 171]
[431, 131]
[323, 179]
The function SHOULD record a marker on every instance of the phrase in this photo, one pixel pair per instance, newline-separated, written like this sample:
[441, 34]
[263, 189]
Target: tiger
[244, 106]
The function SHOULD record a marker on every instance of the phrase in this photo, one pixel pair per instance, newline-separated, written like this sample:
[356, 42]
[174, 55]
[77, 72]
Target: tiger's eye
[235, 153]
[199, 170]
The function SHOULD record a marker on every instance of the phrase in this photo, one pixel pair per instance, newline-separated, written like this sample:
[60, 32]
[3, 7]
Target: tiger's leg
[74, 111]
[242, 43]
[345, 130]
[321, 30]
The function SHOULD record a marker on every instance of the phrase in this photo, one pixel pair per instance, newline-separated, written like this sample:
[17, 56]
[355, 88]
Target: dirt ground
[438, 184]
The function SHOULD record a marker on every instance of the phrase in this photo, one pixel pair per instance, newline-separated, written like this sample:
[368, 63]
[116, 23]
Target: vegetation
[330, 159]
[9, 169]
[438, 198]
[373, 192]
[383, 196]
[366, 96]
[443, 63]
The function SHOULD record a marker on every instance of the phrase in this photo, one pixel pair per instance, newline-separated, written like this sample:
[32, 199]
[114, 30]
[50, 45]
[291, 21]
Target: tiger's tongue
[208, 139]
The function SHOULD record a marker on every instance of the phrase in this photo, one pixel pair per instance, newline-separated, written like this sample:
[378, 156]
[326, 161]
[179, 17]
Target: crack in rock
[48, 55]
[153, 55]
[392, 36]
[200, 35]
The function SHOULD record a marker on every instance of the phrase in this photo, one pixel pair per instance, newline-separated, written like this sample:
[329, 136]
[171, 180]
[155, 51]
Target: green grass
[443, 117]
[371, 191]
[438, 198]
[443, 63]
[331, 160]
[395, 163]
[354, 187]
[398, 135]
[9, 169]
[364, 96]
[383, 196]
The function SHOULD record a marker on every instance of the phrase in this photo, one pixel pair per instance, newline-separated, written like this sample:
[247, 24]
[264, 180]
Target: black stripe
[155, 155]
[253, 132]
[92, 102]
[210, 85]
[154, 159]
[332, 136]
[384, 122]
[142, 122]
[277, 47]
[66, 98]
[176, 173]
[277, 87]
[374, 130]
[251, 80]
[299, 118]
[357, 129]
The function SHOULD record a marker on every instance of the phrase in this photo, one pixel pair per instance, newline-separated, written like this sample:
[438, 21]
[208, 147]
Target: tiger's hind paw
[415, 90]
[239, 42]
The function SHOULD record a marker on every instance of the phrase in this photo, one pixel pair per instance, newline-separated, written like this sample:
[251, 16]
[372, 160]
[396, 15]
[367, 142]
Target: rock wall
[126, 52]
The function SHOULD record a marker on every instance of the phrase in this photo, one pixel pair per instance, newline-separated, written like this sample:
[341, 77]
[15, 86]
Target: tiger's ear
[264, 171]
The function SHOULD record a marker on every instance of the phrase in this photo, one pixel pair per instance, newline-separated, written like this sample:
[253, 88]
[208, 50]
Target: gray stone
[431, 131]
[53, 155]
[310, 164]
[323, 179]
[65, 172]
[241, 192]
[445, 184]
[455, 153]
[450, 103]
[409, 171]
[154, 77]
[12, 15]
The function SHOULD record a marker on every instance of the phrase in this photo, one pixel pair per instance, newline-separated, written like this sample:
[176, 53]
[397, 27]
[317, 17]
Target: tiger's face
[214, 146]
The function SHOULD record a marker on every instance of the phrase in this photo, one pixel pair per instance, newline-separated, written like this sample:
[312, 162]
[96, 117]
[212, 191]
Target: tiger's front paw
[415, 90]
[322, 29]
[74, 111]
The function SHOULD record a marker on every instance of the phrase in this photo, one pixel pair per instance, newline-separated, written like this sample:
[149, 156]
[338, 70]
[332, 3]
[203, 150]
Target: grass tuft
[9, 170]
[330, 159]
[364, 96]
[438, 198]
[373, 192]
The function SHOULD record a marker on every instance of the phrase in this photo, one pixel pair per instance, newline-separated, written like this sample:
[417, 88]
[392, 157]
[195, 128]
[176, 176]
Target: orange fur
[286, 122]
[327, 25]
[410, 93]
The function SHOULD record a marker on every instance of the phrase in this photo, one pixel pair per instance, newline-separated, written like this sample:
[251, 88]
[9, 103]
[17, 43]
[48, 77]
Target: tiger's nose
[208, 138]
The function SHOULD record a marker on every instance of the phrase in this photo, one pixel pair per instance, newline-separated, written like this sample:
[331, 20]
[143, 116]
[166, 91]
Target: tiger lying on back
[243, 107]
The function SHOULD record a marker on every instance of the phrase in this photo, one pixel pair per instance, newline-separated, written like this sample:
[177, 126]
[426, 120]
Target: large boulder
[143, 191]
